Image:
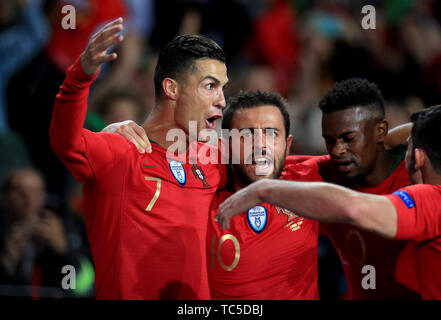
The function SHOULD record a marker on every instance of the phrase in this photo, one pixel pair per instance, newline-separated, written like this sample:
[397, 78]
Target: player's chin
[205, 133]
[258, 172]
[350, 175]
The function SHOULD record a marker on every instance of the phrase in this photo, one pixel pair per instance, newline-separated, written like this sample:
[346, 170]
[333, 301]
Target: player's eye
[210, 86]
[271, 133]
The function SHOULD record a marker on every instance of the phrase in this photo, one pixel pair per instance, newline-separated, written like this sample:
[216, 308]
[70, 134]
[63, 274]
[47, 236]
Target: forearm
[313, 200]
[398, 136]
[331, 203]
[69, 114]
[70, 108]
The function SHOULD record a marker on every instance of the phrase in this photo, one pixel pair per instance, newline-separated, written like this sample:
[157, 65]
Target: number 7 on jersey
[157, 193]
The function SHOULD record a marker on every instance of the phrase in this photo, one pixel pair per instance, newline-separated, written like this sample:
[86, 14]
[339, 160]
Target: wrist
[262, 189]
[79, 76]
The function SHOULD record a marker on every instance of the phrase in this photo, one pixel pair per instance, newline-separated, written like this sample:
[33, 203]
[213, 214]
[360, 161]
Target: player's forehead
[210, 69]
[347, 120]
[266, 116]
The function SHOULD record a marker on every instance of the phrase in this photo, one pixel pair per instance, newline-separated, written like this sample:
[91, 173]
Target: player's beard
[240, 172]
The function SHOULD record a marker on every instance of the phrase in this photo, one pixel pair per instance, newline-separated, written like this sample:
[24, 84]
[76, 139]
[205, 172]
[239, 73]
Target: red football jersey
[357, 248]
[419, 220]
[268, 253]
[146, 217]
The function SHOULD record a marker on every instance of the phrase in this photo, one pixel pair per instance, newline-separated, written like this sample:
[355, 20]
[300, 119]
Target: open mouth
[211, 122]
[262, 165]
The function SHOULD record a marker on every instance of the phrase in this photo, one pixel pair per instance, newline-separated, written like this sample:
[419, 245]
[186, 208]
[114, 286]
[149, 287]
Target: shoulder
[304, 171]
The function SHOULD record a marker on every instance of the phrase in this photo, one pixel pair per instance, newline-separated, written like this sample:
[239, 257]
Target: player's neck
[160, 121]
[381, 170]
[238, 184]
[430, 176]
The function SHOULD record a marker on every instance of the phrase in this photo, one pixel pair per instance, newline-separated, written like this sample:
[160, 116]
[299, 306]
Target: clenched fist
[95, 53]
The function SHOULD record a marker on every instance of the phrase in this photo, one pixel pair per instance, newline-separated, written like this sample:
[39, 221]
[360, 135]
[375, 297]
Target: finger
[106, 37]
[107, 26]
[143, 137]
[108, 43]
[107, 58]
[131, 136]
[114, 22]
[106, 33]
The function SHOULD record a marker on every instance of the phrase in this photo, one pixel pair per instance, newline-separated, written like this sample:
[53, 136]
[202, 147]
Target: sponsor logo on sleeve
[406, 198]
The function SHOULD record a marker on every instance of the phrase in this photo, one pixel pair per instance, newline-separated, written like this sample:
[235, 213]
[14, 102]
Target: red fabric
[138, 254]
[278, 43]
[278, 263]
[294, 159]
[66, 45]
[358, 248]
[420, 263]
[37, 277]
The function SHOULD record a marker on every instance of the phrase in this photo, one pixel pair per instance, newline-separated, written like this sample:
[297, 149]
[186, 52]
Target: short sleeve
[418, 212]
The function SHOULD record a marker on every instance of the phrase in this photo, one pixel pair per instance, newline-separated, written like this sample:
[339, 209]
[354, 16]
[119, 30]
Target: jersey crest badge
[178, 171]
[257, 218]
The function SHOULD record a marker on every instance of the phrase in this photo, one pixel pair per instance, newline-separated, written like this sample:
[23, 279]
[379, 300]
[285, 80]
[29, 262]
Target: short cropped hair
[352, 93]
[252, 99]
[426, 133]
[178, 57]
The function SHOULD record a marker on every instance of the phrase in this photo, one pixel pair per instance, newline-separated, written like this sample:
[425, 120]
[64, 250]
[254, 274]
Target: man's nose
[338, 149]
[220, 101]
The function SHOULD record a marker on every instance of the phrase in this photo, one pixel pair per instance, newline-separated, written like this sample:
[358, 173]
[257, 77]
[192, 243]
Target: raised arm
[68, 139]
[315, 200]
[398, 136]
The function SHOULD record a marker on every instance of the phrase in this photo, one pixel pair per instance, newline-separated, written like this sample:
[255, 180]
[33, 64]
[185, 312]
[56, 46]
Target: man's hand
[132, 132]
[50, 228]
[241, 201]
[95, 54]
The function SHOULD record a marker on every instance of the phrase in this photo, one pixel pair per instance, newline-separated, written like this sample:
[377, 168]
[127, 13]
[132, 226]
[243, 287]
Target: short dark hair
[426, 133]
[252, 99]
[104, 102]
[352, 93]
[178, 56]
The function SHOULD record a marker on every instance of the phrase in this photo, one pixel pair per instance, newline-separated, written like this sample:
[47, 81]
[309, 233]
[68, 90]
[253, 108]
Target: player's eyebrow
[325, 136]
[216, 80]
[347, 133]
[266, 128]
[211, 78]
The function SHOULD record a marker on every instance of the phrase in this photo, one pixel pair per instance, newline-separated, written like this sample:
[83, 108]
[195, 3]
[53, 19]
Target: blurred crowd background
[298, 48]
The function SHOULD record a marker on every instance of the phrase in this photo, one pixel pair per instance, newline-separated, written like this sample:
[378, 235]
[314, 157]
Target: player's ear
[170, 88]
[382, 130]
[420, 158]
[288, 144]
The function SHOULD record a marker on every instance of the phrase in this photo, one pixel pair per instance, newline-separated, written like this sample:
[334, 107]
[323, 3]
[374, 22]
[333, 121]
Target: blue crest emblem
[257, 218]
[178, 171]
